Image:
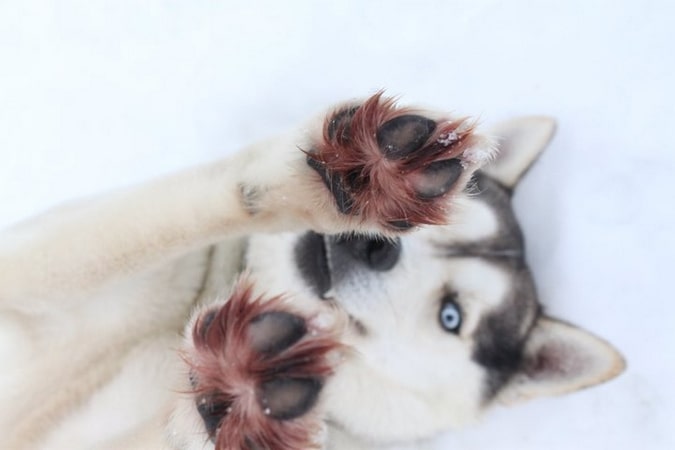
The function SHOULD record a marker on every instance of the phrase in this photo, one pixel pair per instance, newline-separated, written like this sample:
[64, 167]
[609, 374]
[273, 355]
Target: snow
[95, 95]
[447, 138]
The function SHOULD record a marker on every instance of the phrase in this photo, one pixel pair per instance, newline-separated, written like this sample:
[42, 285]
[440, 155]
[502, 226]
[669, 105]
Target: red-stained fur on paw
[232, 369]
[382, 184]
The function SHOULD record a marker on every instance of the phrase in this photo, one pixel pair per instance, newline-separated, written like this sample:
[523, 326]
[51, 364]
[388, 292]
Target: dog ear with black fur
[520, 141]
[561, 358]
[558, 357]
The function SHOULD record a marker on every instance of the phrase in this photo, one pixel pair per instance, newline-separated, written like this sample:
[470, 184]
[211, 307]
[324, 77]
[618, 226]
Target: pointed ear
[561, 358]
[520, 141]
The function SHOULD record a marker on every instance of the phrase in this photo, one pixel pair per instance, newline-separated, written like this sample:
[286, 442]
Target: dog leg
[363, 167]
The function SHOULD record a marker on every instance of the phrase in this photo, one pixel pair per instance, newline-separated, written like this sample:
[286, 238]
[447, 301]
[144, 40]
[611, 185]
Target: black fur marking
[289, 398]
[507, 247]
[501, 335]
[311, 260]
[403, 135]
[499, 199]
[275, 331]
[336, 185]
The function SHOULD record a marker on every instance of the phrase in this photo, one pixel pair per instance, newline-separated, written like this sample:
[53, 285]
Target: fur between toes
[256, 370]
[391, 166]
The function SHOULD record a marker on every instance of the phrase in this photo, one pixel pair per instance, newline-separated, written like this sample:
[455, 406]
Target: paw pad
[399, 137]
[257, 370]
[391, 166]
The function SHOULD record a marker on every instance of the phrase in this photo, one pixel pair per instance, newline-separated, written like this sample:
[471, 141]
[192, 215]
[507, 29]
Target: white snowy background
[96, 95]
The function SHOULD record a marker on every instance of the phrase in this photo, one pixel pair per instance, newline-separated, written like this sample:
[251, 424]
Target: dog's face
[443, 321]
[438, 317]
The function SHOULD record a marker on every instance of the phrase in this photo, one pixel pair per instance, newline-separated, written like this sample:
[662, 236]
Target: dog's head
[443, 321]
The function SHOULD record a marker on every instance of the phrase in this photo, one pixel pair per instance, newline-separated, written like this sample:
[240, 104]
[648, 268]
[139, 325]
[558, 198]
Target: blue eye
[450, 315]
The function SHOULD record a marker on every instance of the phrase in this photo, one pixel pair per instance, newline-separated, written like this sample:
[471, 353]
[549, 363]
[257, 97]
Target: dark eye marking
[450, 315]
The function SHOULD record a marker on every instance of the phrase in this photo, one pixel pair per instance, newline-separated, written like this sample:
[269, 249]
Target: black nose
[379, 253]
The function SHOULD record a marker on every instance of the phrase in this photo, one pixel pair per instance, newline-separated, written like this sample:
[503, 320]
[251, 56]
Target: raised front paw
[257, 369]
[396, 166]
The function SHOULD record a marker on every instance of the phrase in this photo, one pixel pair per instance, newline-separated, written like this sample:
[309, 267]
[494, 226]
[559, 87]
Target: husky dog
[385, 296]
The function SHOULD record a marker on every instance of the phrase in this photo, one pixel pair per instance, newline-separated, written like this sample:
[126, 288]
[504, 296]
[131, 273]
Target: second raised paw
[395, 166]
[257, 370]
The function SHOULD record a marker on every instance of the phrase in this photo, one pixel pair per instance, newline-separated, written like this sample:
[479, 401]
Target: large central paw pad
[257, 370]
[393, 166]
